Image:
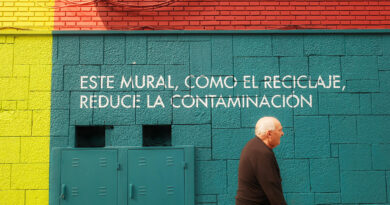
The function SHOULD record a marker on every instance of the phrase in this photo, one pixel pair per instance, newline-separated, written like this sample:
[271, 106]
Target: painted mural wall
[336, 144]
[25, 118]
[25, 76]
[331, 153]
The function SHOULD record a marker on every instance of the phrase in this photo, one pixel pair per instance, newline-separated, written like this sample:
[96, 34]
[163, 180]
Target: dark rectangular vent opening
[90, 136]
[156, 135]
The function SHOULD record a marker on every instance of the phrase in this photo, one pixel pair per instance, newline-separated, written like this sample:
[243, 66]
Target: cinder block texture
[59, 124]
[324, 66]
[38, 100]
[338, 103]
[286, 149]
[16, 123]
[80, 116]
[191, 116]
[118, 115]
[380, 103]
[197, 135]
[249, 116]
[39, 77]
[295, 175]
[5, 176]
[73, 77]
[136, 49]
[324, 175]
[34, 149]
[311, 132]
[202, 153]
[287, 45]
[300, 198]
[226, 199]
[379, 156]
[125, 135]
[161, 52]
[40, 126]
[255, 66]
[33, 50]
[37, 197]
[355, 156]
[298, 64]
[357, 86]
[14, 89]
[25, 87]
[209, 172]
[114, 49]
[334, 152]
[200, 58]
[343, 129]
[365, 103]
[354, 187]
[222, 55]
[91, 49]
[383, 63]
[363, 45]
[378, 132]
[226, 118]
[12, 197]
[251, 45]
[30, 176]
[232, 174]
[384, 84]
[149, 112]
[10, 149]
[228, 143]
[324, 45]
[206, 199]
[359, 67]
[327, 198]
[68, 50]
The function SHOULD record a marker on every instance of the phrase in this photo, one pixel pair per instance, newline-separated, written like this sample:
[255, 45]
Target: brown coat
[259, 180]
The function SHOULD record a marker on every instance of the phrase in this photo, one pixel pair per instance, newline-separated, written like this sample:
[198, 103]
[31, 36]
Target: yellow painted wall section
[25, 84]
[26, 16]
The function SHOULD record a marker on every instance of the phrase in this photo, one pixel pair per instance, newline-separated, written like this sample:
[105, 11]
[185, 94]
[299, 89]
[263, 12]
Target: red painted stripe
[221, 15]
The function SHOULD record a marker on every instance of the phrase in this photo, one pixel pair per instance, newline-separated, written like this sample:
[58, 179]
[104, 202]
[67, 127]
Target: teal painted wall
[334, 152]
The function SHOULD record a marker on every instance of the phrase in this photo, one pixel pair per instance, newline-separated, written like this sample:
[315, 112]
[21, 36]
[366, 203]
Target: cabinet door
[156, 177]
[89, 177]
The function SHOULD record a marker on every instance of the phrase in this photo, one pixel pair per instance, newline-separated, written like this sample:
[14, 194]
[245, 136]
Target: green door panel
[156, 177]
[89, 177]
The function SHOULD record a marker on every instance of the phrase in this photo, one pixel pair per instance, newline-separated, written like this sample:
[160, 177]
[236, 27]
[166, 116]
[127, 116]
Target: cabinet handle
[131, 191]
[63, 187]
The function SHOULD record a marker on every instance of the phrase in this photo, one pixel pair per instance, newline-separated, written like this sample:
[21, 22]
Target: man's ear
[268, 133]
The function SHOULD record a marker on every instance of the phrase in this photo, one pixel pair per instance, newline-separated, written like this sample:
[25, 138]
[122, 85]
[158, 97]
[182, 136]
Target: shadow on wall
[121, 15]
[213, 15]
[139, 15]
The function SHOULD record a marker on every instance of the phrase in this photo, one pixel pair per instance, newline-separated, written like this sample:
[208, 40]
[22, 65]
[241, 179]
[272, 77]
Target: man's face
[275, 135]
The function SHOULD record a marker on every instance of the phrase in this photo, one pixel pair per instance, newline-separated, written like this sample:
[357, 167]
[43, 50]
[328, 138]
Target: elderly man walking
[259, 181]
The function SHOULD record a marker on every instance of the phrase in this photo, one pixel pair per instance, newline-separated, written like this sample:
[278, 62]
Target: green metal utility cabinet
[125, 175]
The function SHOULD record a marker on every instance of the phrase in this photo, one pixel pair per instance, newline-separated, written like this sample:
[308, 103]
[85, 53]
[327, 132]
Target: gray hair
[263, 125]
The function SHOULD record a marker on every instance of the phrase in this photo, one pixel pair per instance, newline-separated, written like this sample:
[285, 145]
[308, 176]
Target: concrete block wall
[25, 85]
[25, 72]
[335, 152]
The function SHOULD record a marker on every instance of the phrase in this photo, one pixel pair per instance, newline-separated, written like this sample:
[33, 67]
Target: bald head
[265, 124]
[270, 130]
